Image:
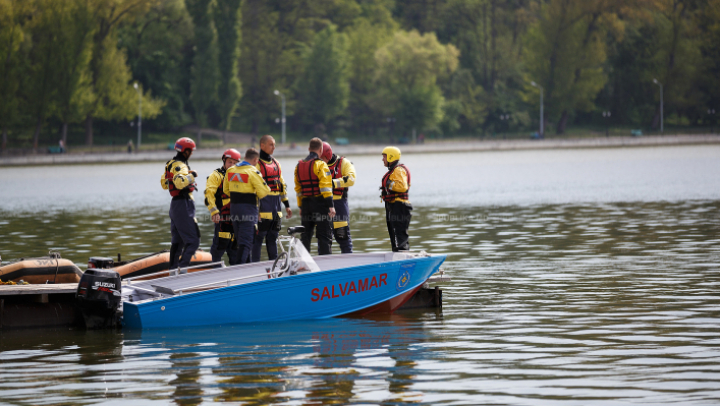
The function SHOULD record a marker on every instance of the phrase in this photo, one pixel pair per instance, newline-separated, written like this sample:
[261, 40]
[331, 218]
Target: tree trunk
[562, 124]
[64, 133]
[88, 130]
[36, 136]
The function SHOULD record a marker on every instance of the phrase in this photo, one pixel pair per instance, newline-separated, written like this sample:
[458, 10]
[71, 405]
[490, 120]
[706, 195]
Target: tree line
[354, 67]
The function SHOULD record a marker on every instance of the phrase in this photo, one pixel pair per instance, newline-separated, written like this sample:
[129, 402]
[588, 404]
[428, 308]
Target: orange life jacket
[390, 195]
[271, 173]
[309, 182]
[171, 185]
[336, 172]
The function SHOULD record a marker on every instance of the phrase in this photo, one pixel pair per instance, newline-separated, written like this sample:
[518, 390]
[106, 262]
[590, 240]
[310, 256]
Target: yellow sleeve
[181, 175]
[213, 181]
[348, 169]
[398, 180]
[164, 182]
[261, 188]
[226, 183]
[326, 183]
[298, 189]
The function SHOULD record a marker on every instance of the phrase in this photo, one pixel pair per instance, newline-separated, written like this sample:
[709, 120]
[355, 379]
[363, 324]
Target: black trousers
[315, 215]
[397, 216]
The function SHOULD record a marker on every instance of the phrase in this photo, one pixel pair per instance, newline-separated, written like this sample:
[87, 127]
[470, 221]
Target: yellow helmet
[392, 153]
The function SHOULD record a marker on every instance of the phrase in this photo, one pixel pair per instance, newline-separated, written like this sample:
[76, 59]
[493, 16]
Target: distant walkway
[365, 149]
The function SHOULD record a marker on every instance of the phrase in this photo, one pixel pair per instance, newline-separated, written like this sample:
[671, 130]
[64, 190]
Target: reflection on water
[573, 301]
[549, 304]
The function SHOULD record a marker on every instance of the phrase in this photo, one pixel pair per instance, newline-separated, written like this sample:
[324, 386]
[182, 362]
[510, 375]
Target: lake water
[580, 277]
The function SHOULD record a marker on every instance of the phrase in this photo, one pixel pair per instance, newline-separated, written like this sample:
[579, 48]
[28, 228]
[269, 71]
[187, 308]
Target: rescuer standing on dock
[394, 192]
[245, 185]
[219, 205]
[313, 187]
[270, 205]
[179, 180]
[343, 174]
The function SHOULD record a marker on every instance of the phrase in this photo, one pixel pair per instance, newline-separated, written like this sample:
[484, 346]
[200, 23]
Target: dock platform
[50, 305]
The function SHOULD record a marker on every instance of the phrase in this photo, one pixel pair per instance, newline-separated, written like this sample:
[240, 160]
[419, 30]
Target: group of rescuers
[245, 198]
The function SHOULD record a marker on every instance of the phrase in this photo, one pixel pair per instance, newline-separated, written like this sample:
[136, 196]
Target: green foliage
[12, 36]
[205, 73]
[228, 20]
[159, 51]
[458, 66]
[407, 79]
[323, 87]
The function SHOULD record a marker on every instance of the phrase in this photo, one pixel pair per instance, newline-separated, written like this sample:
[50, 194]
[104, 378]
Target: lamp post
[282, 96]
[661, 104]
[711, 113]
[606, 114]
[541, 109]
[139, 115]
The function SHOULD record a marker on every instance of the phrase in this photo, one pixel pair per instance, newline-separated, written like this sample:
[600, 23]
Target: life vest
[220, 196]
[309, 182]
[336, 172]
[390, 195]
[271, 173]
[171, 185]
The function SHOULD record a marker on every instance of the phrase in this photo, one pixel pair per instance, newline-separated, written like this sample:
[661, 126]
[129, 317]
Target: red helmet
[232, 153]
[327, 151]
[184, 143]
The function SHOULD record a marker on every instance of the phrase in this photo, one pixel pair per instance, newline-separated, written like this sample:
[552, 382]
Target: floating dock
[50, 305]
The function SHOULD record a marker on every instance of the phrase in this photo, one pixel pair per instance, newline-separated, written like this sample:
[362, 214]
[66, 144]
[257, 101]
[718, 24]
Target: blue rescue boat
[295, 286]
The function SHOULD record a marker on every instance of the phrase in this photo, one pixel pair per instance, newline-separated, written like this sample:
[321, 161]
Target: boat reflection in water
[329, 361]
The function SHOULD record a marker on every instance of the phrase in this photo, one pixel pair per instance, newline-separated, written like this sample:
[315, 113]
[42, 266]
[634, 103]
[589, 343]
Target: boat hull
[313, 295]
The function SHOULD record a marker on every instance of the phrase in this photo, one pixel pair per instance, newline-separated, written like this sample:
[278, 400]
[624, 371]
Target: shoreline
[364, 149]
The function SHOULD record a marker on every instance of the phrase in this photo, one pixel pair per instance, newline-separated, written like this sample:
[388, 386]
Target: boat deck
[241, 274]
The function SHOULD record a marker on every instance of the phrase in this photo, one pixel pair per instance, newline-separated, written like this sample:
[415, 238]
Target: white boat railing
[216, 284]
[175, 272]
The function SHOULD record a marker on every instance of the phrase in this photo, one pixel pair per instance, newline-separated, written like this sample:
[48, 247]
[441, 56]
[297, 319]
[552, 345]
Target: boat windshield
[300, 259]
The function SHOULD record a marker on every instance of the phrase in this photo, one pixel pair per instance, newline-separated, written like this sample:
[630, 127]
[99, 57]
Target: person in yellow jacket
[343, 174]
[218, 203]
[395, 190]
[179, 180]
[245, 185]
[270, 206]
[313, 187]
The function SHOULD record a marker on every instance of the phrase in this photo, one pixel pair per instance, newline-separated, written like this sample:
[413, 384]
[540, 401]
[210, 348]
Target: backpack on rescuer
[309, 182]
[390, 195]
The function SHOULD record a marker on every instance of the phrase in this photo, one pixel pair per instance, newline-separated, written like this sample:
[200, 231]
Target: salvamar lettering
[347, 288]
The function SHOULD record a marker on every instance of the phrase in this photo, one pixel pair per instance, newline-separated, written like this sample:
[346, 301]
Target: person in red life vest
[394, 192]
[343, 174]
[313, 187]
[179, 180]
[245, 186]
[219, 205]
[270, 205]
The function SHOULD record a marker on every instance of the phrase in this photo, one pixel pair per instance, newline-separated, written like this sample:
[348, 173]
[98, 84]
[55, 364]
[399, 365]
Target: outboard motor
[98, 297]
[100, 263]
